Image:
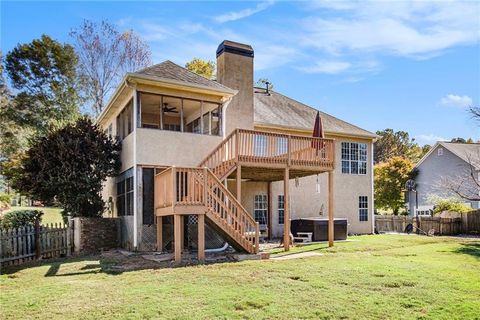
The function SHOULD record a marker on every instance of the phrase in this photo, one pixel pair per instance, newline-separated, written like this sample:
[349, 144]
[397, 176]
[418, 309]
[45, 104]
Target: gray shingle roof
[277, 109]
[468, 152]
[171, 71]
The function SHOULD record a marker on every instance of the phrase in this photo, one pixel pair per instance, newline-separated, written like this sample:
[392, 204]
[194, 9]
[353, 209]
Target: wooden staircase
[183, 190]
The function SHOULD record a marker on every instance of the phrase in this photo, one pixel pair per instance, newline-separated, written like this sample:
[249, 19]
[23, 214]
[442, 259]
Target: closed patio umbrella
[318, 132]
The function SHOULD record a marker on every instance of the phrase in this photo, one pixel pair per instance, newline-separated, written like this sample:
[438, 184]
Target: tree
[262, 83]
[475, 112]
[105, 55]
[69, 166]
[396, 144]
[390, 178]
[13, 136]
[201, 67]
[44, 74]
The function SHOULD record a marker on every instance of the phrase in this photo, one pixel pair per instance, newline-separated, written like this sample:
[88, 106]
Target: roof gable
[279, 110]
[468, 152]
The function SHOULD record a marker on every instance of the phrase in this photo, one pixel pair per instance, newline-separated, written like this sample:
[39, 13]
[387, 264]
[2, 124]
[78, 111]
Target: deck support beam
[330, 210]
[269, 210]
[286, 210]
[239, 183]
[160, 234]
[177, 236]
[201, 238]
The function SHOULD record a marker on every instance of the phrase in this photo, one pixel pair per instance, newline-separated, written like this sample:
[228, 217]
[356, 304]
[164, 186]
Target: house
[445, 168]
[239, 162]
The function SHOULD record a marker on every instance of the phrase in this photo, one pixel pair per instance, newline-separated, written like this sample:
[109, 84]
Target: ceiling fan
[166, 109]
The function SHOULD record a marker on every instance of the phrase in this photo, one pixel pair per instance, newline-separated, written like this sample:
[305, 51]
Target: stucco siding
[170, 148]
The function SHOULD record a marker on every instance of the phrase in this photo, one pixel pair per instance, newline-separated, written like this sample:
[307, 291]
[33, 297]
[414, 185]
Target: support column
[239, 184]
[330, 209]
[201, 237]
[177, 236]
[270, 212]
[159, 234]
[286, 222]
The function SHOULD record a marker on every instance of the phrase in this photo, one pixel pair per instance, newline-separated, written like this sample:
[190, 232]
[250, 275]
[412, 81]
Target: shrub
[5, 200]
[20, 218]
[69, 166]
[450, 205]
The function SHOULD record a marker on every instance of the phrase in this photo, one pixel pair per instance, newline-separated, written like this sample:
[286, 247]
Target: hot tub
[319, 228]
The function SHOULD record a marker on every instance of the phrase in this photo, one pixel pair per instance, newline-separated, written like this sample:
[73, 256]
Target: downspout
[224, 117]
[373, 188]
[135, 178]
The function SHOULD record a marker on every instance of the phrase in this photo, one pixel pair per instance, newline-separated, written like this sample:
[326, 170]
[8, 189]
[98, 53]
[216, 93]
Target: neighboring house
[445, 167]
[173, 123]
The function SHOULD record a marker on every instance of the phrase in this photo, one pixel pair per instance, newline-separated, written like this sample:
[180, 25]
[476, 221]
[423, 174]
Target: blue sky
[411, 66]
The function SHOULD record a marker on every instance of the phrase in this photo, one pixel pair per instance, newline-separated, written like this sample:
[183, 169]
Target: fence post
[69, 235]
[38, 248]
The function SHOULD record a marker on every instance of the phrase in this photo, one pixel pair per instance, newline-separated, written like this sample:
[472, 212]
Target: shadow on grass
[111, 264]
[472, 249]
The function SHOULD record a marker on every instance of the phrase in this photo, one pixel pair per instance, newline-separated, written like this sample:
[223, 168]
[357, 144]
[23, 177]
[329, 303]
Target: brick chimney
[235, 70]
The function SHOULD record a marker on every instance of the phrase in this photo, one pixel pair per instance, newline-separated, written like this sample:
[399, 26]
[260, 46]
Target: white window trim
[350, 161]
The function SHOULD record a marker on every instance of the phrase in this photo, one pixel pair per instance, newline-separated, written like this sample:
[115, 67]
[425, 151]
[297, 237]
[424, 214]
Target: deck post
[269, 210]
[330, 209]
[286, 210]
[239, 183]
[177, 237]
[201, 238]
[159, 234]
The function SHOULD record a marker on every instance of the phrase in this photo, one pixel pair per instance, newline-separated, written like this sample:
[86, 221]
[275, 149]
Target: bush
[450, 205]
[5, 200]
[20, 218]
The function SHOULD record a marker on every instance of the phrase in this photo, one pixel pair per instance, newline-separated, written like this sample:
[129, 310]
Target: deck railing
[254, 147]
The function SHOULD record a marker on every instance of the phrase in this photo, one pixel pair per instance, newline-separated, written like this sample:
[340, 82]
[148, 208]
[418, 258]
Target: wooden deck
[244, 154]
[263, 156]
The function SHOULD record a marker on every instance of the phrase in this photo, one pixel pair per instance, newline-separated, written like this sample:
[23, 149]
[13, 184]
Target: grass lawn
[370, 277]
[50, 215]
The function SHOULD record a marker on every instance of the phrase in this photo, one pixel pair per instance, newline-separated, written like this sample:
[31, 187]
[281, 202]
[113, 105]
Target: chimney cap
[235, 48]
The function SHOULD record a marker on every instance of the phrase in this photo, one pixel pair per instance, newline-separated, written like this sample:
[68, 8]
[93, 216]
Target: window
[440, 151]
[260, 145]
[260, 208]
[282, 145]
[281, 209]
[354, 158]
[125, 193]
[363, 208]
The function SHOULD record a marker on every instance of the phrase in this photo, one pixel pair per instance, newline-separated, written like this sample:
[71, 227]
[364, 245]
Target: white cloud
[453, 100]
[237, 15]
[428, 138]
[413, 29]
[328, 67]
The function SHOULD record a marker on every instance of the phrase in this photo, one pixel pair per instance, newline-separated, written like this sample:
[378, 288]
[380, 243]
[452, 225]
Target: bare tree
[105, 55]
[465, 185]
[475, 112]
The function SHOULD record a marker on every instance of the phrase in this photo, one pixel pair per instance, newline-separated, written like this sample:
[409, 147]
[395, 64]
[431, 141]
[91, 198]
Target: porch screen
[148, 187]
[125, 193]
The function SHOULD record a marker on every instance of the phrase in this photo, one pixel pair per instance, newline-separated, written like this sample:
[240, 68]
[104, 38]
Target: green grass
[50, 215]
[370, 277]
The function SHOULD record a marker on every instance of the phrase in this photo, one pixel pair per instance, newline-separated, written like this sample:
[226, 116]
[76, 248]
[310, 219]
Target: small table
[305, 237]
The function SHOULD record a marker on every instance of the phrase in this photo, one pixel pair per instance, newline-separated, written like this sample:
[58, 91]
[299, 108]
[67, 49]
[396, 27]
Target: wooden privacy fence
[445, 224]
[27, 243]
